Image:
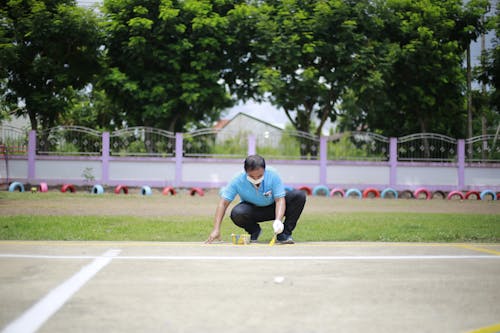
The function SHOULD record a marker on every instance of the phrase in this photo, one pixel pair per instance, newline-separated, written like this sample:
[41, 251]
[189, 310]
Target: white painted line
[43, 256]
[39, 313]
[264, 258]
[304, 258]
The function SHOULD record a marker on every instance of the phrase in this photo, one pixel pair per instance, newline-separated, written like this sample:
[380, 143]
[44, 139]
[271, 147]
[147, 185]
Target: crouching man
[263, 198]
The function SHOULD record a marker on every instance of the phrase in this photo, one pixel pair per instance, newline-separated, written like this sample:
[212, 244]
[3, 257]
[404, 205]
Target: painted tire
[455, 193]
[306, 189]
[419, 191]
[337, 191]
[97, 189]
[121, 188]
[168, 190]
[406, 194]
[369, 191]
[318, 190]
[438, 195]
[196, 190]
[146, 190]
[488, 192]
[389, 190]
[68, 187]
[43, 187]
[16, 186]
[355, 191]
[476, 193]
[288, 189]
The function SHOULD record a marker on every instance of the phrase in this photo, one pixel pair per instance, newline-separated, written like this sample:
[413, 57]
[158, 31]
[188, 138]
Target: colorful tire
[336, 191]
[318, 190]
[288, 189]
[455, 193]
[97, 189]
[196, 190]
[387, 191]
[121, 188]
[488, 192]
[146, 190]
[438, 195]
[16, 186]
[306, 189]
[470, 193]
[406, 194]
[371, 190]
[169, 190]
[68, 187]
[353, 191]
[419, 191]
[44, 187]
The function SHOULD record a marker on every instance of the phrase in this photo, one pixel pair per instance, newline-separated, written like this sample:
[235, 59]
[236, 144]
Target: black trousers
[248, 216]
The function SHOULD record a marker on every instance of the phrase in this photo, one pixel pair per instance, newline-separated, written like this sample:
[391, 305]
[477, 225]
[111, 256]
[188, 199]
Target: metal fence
[484, 148]
[427, 147]
[13, 140]
[364, 146]
[69, 140]
[142, 141]
[212, 143]
[290, 145]
[215, 143]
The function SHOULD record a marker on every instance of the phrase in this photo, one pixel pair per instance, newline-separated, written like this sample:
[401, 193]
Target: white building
[242, 125]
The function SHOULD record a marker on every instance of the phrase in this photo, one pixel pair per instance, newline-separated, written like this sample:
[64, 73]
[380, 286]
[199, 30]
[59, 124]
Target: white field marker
[39, 313]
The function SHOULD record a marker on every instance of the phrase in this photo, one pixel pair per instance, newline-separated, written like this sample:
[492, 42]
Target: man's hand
[278, 227]
[214, 235]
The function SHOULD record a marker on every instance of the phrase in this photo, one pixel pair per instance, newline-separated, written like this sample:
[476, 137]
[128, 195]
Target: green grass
[359, 226]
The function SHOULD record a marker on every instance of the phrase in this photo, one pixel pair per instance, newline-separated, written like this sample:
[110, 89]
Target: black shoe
[255, 236]
[284, 239]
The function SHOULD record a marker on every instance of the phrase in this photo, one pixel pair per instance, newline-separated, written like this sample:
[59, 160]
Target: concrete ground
[193, 287]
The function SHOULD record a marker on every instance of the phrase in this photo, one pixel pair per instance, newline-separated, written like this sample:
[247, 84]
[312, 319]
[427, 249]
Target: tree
[165, 60]
[48, 50]
[488, 74]
[309, 55]
[424, 87]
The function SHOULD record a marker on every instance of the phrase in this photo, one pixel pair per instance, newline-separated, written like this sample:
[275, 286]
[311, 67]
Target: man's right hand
[214, 235]
[278, 227]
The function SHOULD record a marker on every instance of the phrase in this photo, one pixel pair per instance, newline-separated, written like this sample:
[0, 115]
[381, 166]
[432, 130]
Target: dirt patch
[183, 204]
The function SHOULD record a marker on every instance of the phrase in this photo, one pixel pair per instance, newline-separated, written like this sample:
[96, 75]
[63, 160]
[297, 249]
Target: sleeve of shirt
[229, 192]
[278, 187]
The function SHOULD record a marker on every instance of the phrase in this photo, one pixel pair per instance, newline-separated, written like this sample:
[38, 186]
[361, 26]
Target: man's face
[256, 174]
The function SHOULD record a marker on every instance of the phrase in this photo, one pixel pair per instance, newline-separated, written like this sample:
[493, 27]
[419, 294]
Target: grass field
[58, 216]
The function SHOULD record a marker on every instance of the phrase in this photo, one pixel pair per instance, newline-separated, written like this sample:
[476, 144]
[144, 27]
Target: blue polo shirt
[270, 189]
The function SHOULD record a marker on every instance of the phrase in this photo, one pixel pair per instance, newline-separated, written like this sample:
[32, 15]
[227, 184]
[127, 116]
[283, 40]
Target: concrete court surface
[194, 287]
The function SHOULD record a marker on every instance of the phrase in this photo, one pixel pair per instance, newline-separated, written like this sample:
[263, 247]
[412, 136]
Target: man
[263, 198]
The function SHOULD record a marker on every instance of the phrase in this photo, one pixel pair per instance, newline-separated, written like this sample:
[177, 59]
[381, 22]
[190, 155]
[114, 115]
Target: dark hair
[254, 162]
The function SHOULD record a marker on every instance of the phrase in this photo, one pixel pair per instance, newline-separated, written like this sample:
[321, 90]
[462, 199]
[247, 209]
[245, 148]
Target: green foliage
[486, 101]
[231, 147]
[165, 59]
[394, 66]
[345, 149]
[47, 50]
[91, 108]
[288, 147]
[420, 85]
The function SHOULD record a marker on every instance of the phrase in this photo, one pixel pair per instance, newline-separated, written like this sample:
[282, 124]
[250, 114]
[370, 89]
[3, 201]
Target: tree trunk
[423, 130]
[304, 125]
